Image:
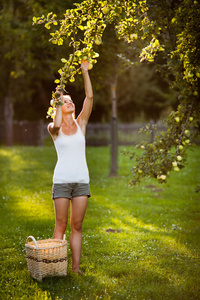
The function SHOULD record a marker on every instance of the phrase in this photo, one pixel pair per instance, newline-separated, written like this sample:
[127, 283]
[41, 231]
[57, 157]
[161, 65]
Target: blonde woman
[71, 176]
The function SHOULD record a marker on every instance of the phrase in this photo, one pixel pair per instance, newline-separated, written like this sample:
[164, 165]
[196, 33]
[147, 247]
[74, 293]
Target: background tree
[28, 61]
[143, 93]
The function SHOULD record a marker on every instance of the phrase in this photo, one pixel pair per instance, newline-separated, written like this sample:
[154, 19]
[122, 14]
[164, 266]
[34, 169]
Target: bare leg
[61, 211]
[78, 209]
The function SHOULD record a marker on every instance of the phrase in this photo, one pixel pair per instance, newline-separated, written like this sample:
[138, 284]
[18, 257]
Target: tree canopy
[142, 23]
[162, 35]
[180, 32]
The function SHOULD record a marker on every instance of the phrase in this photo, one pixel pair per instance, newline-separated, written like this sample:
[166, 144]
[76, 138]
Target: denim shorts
[70, 190]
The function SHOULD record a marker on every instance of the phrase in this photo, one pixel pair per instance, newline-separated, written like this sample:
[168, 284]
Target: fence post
[114, 132]
[41, 132]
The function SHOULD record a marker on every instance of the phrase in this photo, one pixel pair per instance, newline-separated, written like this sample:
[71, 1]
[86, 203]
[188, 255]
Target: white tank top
[71, 165]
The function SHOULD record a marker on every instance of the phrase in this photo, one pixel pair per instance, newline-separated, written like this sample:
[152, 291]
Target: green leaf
[72, 79]
[81, 27]
[34, 19]
[47, 26]
[64, 60]
[174, 20]
[60, 42]
[94, 54]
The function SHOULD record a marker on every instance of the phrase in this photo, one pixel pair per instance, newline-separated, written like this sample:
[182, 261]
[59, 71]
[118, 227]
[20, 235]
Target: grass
[138, 243]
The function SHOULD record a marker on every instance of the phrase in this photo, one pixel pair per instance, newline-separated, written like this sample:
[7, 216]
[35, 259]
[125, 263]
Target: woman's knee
[61, 224]
[76, 226]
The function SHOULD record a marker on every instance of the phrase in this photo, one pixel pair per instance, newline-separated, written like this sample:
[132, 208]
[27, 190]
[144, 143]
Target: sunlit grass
[138, 243]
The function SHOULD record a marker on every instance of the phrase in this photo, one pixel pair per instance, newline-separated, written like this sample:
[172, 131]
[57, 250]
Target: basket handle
[34, 240]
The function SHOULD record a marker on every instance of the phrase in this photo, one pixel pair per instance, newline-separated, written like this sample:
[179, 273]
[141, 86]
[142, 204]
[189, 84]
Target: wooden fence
[35, 133]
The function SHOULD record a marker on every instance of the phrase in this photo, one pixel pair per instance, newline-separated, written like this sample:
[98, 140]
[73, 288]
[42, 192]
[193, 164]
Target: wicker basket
[46, 257]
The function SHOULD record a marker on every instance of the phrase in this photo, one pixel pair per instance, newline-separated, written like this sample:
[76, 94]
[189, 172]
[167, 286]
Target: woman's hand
[84, 65]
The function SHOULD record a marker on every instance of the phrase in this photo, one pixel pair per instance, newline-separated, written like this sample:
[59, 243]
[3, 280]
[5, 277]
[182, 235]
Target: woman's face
[68, 106]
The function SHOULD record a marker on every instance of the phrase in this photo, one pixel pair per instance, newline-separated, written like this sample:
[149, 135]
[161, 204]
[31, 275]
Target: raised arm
[88, 102]
[54, 126]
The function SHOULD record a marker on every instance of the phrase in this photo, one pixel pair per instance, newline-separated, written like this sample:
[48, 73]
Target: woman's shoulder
[54, 132]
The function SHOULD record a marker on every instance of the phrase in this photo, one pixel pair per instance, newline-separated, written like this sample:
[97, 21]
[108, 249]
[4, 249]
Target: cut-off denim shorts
[70, 190]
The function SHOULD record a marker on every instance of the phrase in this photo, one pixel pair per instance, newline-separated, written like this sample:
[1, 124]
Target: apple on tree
[177, 119]
[90, 66]
[176, 169]
[98, 40]
[85, 58]
[105, 9]
[179, 158]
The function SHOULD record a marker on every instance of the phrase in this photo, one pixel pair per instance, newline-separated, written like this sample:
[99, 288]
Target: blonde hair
[69, 97]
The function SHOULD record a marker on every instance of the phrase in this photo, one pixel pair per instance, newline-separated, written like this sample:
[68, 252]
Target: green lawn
[138, 243]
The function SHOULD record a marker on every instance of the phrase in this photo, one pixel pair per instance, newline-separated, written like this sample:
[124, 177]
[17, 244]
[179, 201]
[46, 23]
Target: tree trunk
[114, 131]
[152, 123]
[8, 121]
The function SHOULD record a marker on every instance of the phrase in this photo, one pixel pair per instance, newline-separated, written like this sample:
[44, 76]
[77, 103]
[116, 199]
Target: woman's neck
[68, 120]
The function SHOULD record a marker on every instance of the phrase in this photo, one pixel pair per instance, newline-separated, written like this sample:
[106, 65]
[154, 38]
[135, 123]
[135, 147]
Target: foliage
[179, 32]
[141, 245]
[84, 26]
[28, 60]
[168, 152]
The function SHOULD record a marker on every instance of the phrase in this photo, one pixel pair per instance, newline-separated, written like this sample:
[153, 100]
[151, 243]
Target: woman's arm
[88, 102]
[54, 126]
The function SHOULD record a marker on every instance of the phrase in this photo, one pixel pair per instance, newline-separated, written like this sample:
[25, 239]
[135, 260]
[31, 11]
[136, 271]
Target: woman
[71, 176]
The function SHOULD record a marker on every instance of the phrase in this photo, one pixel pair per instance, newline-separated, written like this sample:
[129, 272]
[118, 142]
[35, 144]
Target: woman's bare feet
[77, 270]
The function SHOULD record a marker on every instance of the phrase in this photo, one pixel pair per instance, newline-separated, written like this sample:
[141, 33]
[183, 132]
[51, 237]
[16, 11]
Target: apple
[134, 36]
[195, 93]
[98, 40]
[85, 58]
[163, 177]
[174, 164]
[179, 158]
[90, 66]
[187, 141]
[187, 132]
[190, 119]
[180, 147]
[177, 119]
[52, 103]
[140, 171]
[176, 169]
[142, 147]
[105, 9]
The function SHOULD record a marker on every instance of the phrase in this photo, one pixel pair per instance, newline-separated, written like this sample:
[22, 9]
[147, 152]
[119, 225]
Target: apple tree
[84, 27]
[180, 28]
[136, 21]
